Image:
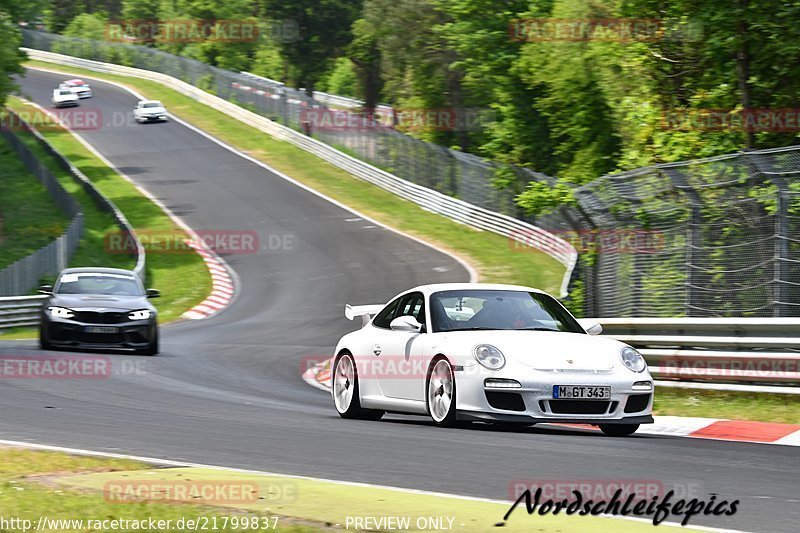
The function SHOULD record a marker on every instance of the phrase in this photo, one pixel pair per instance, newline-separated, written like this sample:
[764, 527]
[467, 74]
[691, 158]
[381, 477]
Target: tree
[10, 55]
[324, 27]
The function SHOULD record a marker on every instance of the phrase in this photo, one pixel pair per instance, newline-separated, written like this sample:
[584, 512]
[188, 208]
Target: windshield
[65, 92]
[465, 310]
[99, 283]
[152, 104]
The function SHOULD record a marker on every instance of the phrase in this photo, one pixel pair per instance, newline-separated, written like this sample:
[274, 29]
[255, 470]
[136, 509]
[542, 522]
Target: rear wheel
[441, 393]
[346, 396]
[619, 430]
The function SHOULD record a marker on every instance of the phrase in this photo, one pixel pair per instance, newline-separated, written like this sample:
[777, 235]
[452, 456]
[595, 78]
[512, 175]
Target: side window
[413, 304]
[385, 317]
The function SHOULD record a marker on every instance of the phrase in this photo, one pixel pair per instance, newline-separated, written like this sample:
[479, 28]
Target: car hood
[100, 302]
[154, 110]
[543, 350]
[59, 96]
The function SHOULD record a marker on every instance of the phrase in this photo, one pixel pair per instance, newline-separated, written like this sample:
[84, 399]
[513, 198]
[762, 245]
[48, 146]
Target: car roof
[76, 80]
[150, 102]
[99, 270]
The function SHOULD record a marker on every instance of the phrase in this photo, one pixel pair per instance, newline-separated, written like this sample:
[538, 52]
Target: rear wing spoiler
[364, 311]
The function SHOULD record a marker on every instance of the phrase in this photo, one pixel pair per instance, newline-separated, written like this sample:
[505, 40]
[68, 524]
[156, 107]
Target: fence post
[780, 288]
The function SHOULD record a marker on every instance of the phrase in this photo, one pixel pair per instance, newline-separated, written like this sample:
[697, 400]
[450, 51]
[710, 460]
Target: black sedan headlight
[60, 312]
[141, 314]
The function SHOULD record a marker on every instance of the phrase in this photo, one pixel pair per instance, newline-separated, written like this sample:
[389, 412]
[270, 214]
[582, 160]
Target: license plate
[100, 329]
[582, 392]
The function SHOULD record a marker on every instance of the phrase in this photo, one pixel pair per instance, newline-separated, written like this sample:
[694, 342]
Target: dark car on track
[99, 308]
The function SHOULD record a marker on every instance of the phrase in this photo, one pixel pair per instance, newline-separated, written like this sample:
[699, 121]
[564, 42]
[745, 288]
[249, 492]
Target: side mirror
[591, 326]
[45, 289]
[153, 293]
[406, 323]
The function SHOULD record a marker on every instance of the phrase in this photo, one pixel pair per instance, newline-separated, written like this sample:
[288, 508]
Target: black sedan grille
[95, 317]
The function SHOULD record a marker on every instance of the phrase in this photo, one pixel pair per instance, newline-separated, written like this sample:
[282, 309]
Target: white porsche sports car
[501, 354]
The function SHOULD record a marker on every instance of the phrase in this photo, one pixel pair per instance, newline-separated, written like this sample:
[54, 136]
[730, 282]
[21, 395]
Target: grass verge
[183, 277]
[764, 407]
[490, 254]
[87, 488]
[29, 219]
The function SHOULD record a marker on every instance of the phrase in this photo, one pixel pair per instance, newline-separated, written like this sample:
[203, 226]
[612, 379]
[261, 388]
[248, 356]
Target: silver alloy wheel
[344, 383]
[440, 390]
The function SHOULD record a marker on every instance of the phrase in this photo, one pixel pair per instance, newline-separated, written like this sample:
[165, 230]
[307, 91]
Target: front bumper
[66, 103]
[129, 335]
[84, 94]
[533, 402]
[153, 118]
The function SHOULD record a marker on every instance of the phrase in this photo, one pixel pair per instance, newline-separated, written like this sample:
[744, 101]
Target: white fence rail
[453, 208]
[18, 311]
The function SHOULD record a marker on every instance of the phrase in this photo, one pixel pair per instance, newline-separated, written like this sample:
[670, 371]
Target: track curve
[228, 390]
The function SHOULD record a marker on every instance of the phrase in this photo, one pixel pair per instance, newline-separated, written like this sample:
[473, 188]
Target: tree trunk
[743, 69]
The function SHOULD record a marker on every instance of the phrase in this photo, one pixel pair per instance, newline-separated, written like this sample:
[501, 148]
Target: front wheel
[345, 391]
[152, 347]
[43, 342]
[441, 393]
[619, 430]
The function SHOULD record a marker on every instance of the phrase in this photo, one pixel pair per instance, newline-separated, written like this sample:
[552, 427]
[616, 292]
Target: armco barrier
[436, 202]
[24, 274]
[17, 311]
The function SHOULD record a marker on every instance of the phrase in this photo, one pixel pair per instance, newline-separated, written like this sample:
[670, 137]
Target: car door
[396, 362]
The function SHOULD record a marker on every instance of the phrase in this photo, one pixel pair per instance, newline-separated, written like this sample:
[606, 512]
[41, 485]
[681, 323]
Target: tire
[440, 393]
[345, 390]
[619, 430]
[43, 344]
[152, 348]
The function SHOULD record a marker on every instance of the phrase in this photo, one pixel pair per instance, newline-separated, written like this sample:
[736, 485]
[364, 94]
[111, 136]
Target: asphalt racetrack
[227, 390]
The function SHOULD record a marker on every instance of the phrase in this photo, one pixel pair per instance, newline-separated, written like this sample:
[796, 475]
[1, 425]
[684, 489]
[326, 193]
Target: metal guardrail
[433, 201]
[17, 311]
[24, 274]
[718, 350]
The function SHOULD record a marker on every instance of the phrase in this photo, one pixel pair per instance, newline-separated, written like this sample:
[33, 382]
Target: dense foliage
[574, 108]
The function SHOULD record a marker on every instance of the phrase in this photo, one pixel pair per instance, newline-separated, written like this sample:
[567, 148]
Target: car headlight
[489, 356]
[632, 359]
[142, 314]
[60, 312]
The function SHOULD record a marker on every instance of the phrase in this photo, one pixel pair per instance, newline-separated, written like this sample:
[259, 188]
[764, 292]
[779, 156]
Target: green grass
[183, 278]
[764, 407]
[28, 491]
[490, 254]
[29, 219]
[61, 486]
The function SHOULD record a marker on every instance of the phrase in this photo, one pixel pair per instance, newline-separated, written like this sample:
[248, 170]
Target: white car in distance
[502, 354]
[64, 98]
[149, 111]
[79, 87]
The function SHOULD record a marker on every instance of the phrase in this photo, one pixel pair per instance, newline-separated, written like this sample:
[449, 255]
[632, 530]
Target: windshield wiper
[537, 329]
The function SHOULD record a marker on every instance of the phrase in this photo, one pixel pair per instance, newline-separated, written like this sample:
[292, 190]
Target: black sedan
[99, 308]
